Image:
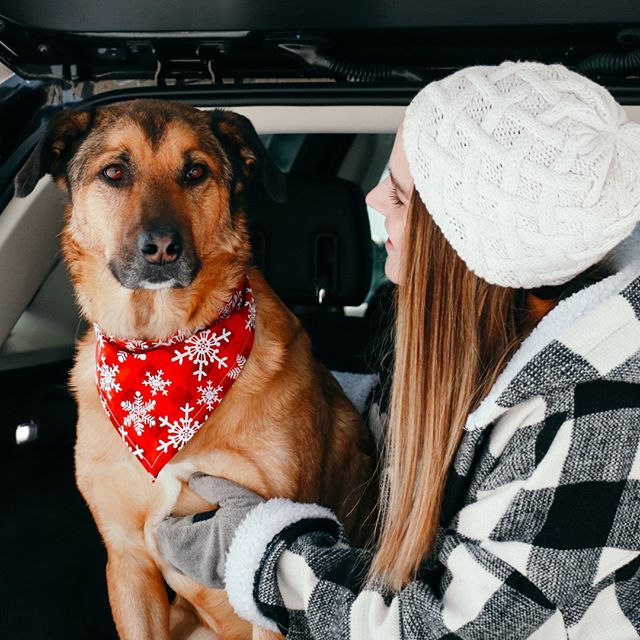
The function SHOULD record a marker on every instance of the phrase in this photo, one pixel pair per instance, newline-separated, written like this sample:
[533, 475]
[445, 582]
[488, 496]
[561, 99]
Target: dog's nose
[160, 247]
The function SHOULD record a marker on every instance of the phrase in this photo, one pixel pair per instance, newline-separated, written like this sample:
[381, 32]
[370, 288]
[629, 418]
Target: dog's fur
[284, 428]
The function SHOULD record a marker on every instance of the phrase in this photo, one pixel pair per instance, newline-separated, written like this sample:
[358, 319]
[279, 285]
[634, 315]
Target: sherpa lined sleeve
[308, 584]
[546, 546]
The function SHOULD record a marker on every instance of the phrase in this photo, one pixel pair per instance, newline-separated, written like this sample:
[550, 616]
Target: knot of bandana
[158, 394]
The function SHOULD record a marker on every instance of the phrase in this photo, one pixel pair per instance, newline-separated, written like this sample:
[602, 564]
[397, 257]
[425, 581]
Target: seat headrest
[318, 240]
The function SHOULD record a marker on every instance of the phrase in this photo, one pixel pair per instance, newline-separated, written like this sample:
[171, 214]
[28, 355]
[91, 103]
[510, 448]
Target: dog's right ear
[55, 148]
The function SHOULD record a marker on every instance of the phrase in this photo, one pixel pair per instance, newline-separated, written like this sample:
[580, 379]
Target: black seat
[316, 251]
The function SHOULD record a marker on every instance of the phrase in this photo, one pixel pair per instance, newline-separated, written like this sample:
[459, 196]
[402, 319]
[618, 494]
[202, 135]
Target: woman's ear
[240, 140]
[54, 149]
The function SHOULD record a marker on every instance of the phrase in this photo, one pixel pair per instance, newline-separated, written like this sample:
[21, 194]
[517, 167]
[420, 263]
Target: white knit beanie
[531, 171]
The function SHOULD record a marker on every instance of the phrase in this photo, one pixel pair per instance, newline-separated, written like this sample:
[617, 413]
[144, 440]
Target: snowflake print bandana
[158, 394]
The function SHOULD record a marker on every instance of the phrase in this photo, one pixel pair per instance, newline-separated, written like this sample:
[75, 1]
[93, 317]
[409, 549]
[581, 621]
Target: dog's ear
[54, 149]
[239, 138]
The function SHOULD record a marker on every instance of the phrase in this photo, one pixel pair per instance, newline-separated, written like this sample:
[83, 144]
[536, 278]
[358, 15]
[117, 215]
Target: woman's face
[391, 199]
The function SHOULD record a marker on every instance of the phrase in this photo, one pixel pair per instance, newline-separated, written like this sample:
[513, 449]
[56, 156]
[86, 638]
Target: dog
[156, 244]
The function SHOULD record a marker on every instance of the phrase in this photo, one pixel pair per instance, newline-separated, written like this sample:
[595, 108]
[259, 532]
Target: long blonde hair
[454, 333]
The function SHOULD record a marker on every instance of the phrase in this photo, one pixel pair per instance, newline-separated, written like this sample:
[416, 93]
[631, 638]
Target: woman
[511, 502]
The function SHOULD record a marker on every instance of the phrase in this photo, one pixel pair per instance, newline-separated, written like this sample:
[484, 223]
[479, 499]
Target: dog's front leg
[137, 595]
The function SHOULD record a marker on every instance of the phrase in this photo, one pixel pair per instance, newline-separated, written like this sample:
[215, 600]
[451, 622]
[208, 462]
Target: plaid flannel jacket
[540, 534]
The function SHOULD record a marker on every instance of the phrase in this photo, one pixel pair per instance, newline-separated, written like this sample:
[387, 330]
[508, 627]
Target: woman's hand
[197, 545]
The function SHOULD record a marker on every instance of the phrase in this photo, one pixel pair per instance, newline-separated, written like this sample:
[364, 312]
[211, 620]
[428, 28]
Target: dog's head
[153, 188]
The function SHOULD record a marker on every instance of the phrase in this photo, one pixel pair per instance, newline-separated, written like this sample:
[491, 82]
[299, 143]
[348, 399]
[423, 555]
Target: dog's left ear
[54, 149]
[238, 136]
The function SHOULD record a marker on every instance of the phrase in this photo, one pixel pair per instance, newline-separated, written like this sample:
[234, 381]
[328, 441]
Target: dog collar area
[158, 394]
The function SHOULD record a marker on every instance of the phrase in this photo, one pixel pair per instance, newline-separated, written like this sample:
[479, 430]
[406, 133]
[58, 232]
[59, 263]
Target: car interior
[326, 90]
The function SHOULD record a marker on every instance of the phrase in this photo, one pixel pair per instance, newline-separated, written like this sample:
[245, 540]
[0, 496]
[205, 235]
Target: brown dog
[165, 171]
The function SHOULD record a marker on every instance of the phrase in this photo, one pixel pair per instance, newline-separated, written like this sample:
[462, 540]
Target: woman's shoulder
[591, 338]
[567, 422]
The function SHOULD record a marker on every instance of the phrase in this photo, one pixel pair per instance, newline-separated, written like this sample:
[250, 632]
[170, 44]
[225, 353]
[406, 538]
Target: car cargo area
[326, 87]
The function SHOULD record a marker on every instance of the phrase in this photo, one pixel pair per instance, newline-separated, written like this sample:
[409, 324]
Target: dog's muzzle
[161, 259]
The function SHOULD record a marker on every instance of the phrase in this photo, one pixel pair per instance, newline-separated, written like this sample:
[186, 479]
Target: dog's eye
[114, 172]
[194, 173]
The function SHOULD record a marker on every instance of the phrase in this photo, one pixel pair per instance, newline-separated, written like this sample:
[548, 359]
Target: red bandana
[158, 394]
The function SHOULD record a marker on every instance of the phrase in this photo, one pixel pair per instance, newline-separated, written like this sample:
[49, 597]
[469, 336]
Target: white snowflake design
[250, 322]
[138, 413]
[210, 395]
[123, 355]
[202, 349]
[132, 344]
[137, 452]
[237, 370]
[178, 337]
[107, 378]
[100, 337]
[157, 383]
[179, 431]
[231, 305]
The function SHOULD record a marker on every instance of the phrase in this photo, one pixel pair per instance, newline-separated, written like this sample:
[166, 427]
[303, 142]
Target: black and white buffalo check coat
[540, 536]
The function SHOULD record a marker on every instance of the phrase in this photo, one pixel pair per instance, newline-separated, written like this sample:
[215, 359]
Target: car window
[376, 221]
[5, 73]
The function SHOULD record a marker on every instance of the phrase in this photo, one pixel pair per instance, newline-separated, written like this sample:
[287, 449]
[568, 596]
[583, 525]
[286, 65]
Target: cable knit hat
[531, 171]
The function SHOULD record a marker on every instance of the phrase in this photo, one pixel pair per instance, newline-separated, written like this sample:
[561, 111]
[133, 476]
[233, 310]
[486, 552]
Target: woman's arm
[311, 584]
[289, 566]
[547, 547]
